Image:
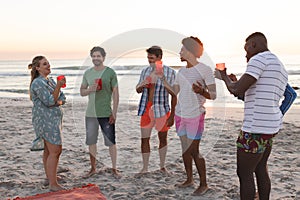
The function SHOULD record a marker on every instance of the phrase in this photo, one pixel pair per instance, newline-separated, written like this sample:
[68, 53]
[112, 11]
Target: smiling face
[152, 58]
[97, 58]
[44, 67]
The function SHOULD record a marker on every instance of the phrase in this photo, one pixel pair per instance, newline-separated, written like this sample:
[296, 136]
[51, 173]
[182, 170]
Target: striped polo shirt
[261, 110]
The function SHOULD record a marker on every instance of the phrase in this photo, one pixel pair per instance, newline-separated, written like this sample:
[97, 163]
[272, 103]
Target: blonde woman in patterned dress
[47, 115]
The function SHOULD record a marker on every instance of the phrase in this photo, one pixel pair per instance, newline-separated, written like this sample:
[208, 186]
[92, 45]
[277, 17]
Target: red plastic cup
[98, 81]
[159, 67]
[149, 79]
[220, 66]
[61, 77]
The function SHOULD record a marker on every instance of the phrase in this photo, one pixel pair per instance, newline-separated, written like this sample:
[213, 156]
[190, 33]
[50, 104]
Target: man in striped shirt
[155, 85]
[262, 85]
[289, 94]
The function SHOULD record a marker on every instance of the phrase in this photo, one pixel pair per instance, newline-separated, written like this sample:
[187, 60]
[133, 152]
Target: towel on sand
[90, 191]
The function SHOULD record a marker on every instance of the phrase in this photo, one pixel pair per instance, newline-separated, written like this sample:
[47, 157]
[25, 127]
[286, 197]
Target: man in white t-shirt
[262, 86]
[194, 84]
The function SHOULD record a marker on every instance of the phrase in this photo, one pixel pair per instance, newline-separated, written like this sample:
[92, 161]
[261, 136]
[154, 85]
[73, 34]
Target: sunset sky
[65, 29]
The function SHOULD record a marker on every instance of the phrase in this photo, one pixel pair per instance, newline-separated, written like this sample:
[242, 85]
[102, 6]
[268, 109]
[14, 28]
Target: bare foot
[165, 171]
[91, 173]
[116, 173]
[55, 188]
[141, 173]
[46, 181]
[200, 190]
[62, 169]
[185, 184]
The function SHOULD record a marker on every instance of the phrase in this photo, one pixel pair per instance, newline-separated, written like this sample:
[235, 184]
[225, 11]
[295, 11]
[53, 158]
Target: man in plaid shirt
[154, 108]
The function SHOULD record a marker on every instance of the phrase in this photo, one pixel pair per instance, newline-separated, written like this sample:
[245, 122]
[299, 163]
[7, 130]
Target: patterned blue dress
[46, 114]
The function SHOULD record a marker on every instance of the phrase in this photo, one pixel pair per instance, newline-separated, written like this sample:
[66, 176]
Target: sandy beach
[22, 171]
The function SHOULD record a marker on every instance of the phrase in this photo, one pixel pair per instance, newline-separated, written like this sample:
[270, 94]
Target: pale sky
[65, 29]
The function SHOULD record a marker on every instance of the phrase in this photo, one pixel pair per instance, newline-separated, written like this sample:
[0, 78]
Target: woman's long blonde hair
[34, 72]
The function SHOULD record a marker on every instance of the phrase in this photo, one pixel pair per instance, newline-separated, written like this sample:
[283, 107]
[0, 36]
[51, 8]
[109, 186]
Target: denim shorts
[92, 130]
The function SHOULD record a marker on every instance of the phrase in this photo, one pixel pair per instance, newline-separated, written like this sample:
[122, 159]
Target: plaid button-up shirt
[161, 95]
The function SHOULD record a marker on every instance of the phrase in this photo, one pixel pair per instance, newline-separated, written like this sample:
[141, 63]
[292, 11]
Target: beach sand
[22, 171]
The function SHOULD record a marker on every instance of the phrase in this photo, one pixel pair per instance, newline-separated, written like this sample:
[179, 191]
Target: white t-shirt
[261, 110]
[190, 104]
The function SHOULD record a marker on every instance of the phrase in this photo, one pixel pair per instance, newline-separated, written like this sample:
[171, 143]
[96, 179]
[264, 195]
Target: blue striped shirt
[161, 95]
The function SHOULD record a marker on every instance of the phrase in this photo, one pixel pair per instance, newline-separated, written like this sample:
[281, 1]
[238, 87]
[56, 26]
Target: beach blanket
[90, 191]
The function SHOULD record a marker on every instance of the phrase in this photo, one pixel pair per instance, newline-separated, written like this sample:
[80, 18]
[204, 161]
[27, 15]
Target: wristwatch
[163, 78]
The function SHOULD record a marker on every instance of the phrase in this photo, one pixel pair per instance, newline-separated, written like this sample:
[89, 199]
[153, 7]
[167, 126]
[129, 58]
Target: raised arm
[56, 91]
[239, 87]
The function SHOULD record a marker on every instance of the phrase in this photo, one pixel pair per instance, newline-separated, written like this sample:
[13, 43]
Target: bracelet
[163, 78]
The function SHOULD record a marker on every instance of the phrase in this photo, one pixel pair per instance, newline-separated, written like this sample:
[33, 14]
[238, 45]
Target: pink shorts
[191, 127]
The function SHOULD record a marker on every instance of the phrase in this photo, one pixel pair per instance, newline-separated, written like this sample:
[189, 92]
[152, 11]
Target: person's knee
[112, 146]
[93, 150]
[195, 152]
[163, 143]
[56, 152]
[46, 153]
[186, 153]
[145, 145]
[109, 141]
[186, 150]
[145, 141]
[162, 136]
[197, 155]
[243, 175]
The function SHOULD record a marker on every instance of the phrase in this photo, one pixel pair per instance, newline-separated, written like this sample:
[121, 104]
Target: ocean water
[15, 77]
